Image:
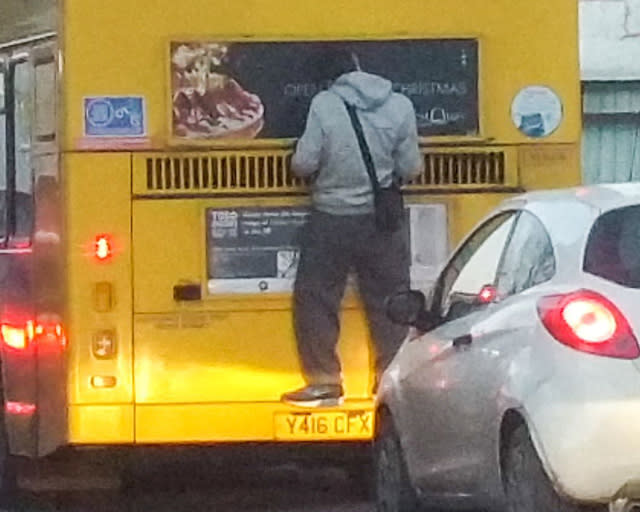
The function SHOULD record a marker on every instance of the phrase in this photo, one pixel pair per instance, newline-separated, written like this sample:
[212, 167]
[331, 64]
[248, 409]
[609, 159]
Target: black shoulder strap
[364, 147]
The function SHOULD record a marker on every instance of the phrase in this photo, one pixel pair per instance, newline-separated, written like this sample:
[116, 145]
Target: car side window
[473, 267]
[529, 259]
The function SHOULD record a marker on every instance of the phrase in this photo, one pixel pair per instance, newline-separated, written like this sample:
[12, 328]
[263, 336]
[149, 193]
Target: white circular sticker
[537, 111]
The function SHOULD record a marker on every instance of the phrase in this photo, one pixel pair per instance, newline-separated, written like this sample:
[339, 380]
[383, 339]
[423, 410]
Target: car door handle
[462, 341]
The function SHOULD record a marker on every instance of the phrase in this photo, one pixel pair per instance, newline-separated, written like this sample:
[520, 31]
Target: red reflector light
[17, 337]
[20, 408]
[103, 248]
[588, 322]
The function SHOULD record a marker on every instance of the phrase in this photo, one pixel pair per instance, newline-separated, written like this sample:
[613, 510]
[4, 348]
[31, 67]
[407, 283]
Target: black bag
[388, 202]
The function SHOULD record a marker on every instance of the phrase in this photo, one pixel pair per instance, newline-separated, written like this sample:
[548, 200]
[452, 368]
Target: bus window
[23, 115]
[3, 156]
[45, 94]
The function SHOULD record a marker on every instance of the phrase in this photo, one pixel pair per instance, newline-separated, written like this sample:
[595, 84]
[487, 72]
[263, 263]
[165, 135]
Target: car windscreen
[613, 248]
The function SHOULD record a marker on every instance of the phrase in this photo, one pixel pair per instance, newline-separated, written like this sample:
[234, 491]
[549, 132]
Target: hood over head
[364, 90]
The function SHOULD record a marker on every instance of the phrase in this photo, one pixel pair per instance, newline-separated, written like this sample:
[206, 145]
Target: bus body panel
[140, 365]
[521, 43]
[101, 424]
[99, 185]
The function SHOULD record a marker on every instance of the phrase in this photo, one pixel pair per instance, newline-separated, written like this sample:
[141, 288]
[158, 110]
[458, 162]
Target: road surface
[192, 483]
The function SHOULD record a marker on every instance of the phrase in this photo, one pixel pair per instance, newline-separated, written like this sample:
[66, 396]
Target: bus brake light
[103, 247]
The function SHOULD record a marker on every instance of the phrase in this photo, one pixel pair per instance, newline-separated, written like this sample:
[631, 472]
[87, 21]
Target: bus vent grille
[228, 172]
[455, 169]
[260, 172]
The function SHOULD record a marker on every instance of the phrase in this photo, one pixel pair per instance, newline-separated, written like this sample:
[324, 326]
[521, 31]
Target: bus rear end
[180, 219]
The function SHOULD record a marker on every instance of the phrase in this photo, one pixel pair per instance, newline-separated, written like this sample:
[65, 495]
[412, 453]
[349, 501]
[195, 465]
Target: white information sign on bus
[257, 249]
[537, 111]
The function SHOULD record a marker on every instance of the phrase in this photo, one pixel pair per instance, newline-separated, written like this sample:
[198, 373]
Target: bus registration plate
[299, 426]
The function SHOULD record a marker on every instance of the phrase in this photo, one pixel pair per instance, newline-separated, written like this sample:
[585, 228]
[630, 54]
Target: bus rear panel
[165, 227]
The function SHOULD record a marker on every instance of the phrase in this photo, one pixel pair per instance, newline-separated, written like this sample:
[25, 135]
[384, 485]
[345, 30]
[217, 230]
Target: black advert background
[440, 76]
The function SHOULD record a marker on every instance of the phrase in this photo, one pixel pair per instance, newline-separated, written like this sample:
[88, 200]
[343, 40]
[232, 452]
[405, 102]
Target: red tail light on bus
[103, 247]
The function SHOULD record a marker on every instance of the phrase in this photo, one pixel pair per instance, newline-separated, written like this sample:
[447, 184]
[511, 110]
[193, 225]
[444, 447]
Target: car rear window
[613, 248]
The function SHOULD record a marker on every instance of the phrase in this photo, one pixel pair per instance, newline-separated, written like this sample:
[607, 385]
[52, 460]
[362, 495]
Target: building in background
[21, 19]
[610, 62]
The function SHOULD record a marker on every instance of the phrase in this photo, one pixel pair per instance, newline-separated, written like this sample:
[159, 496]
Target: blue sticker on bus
[114, 116]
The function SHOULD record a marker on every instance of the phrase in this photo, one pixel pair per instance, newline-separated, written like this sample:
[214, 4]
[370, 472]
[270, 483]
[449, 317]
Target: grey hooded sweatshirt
[328, 150]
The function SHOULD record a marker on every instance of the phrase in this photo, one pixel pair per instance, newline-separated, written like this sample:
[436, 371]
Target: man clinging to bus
[341, 234]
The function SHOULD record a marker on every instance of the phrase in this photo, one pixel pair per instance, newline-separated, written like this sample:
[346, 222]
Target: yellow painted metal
[521, 43]
[101, 424]
[230, 422]
[170, 246]
[233, 355]
[103, 297]
[549, 166]
[224, 348]
[213, 370]
[97, 188]
[258, 172]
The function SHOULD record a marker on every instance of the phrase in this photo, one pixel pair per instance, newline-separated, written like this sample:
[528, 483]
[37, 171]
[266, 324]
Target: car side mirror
[461, 304]
[409, 308]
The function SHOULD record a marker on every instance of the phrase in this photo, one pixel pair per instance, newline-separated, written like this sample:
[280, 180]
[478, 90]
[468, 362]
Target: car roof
[568, 214]
[602, 197]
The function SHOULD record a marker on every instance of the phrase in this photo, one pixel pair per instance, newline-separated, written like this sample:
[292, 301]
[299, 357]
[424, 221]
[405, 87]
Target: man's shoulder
[324, 98]
[325, 104]
[401, 101]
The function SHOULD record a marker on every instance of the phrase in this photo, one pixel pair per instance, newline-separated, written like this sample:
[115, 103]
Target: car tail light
[20, 335]
[588, 322]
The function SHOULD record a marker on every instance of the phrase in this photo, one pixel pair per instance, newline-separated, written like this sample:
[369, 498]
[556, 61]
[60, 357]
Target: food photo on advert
[207, 102]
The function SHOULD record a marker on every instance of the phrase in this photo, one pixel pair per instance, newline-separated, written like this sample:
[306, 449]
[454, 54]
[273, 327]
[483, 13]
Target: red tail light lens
[103, 248]
[17, 337]
[20, 408]
[20, 336]
[588, 322]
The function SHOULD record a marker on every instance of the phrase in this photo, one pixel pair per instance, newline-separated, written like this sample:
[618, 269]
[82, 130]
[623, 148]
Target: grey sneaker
[315, 395]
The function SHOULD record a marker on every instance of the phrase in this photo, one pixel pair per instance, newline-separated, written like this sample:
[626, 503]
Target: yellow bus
[150, 221]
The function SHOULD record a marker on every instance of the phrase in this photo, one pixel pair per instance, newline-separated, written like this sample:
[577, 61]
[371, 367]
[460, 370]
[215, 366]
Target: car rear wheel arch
[511, 421]
[526, 482]
[394, 491]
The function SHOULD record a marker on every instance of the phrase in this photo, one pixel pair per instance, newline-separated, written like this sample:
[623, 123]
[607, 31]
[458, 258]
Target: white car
[519, 388]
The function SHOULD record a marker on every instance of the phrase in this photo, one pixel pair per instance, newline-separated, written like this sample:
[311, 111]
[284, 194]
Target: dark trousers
[332, 246]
